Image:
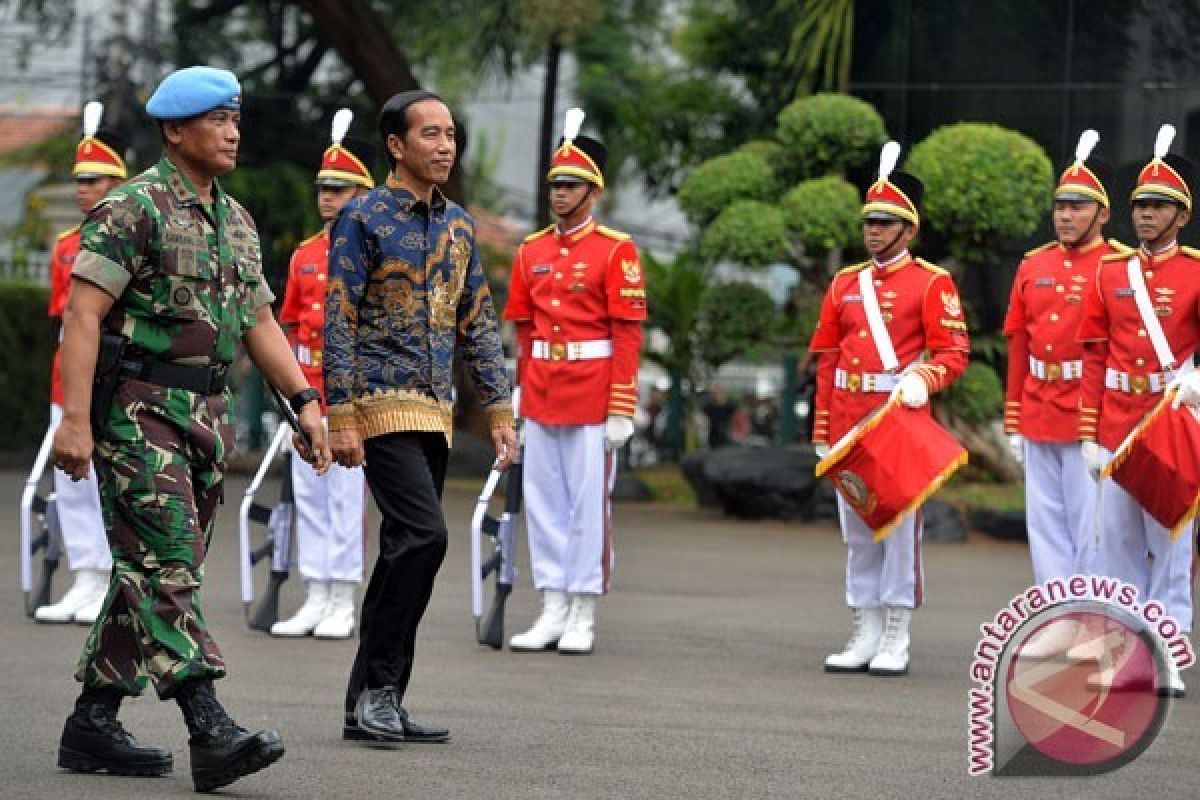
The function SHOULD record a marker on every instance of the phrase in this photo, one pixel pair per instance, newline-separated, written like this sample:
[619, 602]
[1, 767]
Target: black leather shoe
[390, 722]
[221, 750]
[94, 740]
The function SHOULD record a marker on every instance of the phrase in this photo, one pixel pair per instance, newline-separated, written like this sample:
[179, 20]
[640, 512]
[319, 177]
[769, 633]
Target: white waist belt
[1054, 370]
[572, 351]
[865, 381]
[1153, 382]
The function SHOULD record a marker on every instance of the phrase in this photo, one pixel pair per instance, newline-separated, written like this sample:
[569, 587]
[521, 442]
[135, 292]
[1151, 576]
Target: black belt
[202, 380]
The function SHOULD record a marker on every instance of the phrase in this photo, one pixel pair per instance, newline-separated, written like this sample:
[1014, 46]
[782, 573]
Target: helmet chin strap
[1169, 225]
[1088, 232]
[578, 205]
[895, 239]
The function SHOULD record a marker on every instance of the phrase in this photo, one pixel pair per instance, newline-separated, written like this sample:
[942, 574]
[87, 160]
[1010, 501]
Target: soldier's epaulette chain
[934, 268]
[612, 234]
[1040, 249]
[539, 234]
[853, 268]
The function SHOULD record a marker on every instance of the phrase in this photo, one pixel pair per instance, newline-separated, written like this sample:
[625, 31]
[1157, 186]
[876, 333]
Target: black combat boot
[221, 750]
[94, 740]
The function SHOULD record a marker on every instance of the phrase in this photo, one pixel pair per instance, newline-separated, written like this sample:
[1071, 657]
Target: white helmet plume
[887, 159]
[341, 124]
[572, 123]
[1087, 143]
[1162, 142]
[91, 117]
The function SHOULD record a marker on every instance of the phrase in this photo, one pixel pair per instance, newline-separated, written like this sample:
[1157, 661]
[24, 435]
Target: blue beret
[194, 90]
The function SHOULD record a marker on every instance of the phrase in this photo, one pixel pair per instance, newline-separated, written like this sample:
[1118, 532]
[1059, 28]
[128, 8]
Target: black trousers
[406, 472]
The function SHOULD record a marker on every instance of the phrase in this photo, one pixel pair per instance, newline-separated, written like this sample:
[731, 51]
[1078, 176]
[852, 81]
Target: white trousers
[1060, 498]
[887, 573]
[79, 514]
[568, 478]
[329, 521]
[1135, 548]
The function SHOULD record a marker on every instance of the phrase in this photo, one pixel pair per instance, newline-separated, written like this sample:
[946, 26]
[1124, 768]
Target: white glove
[913, 391]
[821, 449]
[617, 431]
[1093, 458]
[1016, 443]
[1189, 391]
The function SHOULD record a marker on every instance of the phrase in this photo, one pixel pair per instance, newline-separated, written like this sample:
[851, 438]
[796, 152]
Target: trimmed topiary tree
[718, 182]
[827, 133]
[823, 213]
[979, 183]
[749, 232]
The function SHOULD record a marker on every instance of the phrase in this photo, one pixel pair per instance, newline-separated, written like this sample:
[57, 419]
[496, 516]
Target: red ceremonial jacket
[923, 314]
[61, 262]
[578, 287]
[1115, 338]
[304, 306]
[1044, 312]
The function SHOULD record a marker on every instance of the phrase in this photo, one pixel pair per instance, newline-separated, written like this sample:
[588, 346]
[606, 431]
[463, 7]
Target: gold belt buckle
[1053, 372]
[853, 382]
[1138, 384]
[558, 351]
[316, 358]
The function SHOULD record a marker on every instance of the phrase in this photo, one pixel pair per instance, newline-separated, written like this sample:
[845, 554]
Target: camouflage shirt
[405, 288]
[187, 277]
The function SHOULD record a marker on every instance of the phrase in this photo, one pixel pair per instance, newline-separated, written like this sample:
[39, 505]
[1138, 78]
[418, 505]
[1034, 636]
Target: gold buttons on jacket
[862, 334]
[316, 306]
[556, 302]
[855, 361]
[1142, 332]
[556, 329]
[558, 276]
[1054, 317]
[1049, 348]
[563, 251]
[1067, 264]
[1149, 274]
[1141, 362]
[1060, 288]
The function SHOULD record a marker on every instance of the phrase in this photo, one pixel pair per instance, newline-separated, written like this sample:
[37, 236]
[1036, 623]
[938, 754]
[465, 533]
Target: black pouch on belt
[108, 377]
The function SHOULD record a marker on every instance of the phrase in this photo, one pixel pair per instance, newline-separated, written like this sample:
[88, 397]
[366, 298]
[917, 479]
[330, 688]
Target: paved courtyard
[706, 683]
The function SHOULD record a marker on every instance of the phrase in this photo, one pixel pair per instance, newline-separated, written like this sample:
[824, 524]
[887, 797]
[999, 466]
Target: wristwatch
[302, 398]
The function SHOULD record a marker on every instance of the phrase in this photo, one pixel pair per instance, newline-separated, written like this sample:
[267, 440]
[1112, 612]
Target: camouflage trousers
[160, 468]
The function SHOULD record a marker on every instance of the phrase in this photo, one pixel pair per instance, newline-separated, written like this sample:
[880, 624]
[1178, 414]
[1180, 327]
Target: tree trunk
[986, 447]
[361, 38]
[546, 133]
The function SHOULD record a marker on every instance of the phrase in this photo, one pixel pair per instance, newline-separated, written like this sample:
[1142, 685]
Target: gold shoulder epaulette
[1037, 250]
[1120, 247]
[1191, 252]
[853, 268]
[309, 239]
[539, 234]
[1116, 256]
[67, 233]
[934, 268]
[612, 234]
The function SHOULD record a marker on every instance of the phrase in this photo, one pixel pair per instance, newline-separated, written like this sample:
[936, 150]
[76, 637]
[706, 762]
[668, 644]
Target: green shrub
[26, 351]
[983, 184]
[976, 397]
[718, 182]
[826, 133]
[823, 214]
[735, 319]
[748, 232]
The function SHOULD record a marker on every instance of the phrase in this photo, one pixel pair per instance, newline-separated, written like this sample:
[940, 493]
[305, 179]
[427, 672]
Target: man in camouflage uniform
[171, 263]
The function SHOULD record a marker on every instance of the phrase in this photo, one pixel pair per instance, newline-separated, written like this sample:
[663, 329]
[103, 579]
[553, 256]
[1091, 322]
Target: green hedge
[26, 350]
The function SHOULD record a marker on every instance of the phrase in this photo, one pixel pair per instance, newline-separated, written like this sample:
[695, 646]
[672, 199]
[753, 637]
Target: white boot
[316, 605]
[548, 628]
[90, 610]
[339, 617]
[83, 592]
[579, 636]
[863, 643]
[892, 658]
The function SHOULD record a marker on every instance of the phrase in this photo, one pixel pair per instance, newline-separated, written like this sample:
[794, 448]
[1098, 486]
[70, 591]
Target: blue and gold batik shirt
[406, 287]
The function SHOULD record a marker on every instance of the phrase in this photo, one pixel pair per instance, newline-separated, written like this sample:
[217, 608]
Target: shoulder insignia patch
[853, 268]
[934, 268]
[612, 233]
[539, 234]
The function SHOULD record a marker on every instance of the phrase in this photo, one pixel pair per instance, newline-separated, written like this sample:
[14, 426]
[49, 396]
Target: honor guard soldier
[99, 168]
[578, 300]
[329, 507]
[890, 309]
[1140, 331]
[167, 283]
[1045, 368]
